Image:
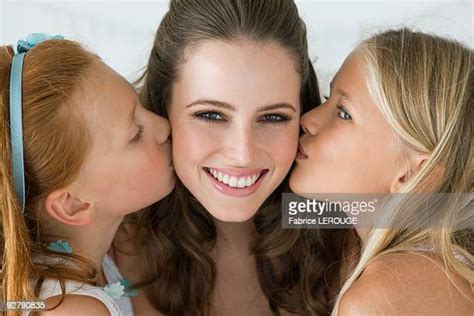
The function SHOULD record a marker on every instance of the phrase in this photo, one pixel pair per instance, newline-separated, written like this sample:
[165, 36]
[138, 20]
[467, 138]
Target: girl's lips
[301, 153]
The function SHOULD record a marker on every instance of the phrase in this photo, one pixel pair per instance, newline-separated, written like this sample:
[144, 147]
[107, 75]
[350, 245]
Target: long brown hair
[55, 145]
[177, 234]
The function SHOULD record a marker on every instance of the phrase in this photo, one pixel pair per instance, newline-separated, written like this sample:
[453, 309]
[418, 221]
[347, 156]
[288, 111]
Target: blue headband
[16, 116]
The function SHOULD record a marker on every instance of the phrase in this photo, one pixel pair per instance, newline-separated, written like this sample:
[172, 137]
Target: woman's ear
[408, 169]
[67, 209]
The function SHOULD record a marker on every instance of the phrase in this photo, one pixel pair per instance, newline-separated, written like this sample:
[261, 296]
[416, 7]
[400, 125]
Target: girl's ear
[408, 170]
[69, 210]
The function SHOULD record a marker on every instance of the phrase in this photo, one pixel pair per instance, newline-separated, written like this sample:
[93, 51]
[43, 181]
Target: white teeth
[226, 179]
[241, 183]
[234, 182]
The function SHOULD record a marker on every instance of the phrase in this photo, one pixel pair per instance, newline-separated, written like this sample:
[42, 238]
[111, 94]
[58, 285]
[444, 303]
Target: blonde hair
[55, 145]
[424, 86]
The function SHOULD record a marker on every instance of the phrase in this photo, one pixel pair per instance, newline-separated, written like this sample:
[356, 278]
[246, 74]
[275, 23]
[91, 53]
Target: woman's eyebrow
[228, 106]
[220, 104]
[277, 106]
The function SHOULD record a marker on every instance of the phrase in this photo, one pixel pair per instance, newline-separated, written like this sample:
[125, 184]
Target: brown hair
[291, 263]
[55, 145]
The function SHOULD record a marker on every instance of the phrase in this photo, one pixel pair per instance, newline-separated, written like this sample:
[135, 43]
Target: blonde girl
[399, 119]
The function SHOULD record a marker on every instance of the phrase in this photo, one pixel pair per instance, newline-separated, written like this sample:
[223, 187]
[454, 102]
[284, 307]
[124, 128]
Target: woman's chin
[232, 216]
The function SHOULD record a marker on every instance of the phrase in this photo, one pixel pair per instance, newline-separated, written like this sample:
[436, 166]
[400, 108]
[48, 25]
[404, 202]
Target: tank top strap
[113, 275]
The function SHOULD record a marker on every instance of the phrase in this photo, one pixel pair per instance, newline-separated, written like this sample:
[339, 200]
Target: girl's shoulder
[71, 304]
[77, 297]
[71, 297]
[408, 283]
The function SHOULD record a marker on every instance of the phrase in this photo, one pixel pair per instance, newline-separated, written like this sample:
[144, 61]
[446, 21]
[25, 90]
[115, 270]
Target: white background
[121, 32]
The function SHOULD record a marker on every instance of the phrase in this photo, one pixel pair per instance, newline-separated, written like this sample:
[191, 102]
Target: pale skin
[234, 107]
[349, 144]
[129, 155]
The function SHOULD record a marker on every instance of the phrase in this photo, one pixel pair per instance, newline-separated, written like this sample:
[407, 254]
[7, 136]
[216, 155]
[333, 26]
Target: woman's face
[234, 118]
[348, 146]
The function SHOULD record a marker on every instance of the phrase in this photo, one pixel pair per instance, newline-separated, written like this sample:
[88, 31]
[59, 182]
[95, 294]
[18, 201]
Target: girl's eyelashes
[343, 114]
[138, 135]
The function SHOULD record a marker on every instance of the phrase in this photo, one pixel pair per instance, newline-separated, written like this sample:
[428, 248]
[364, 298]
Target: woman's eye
[343, 114]
[210, 117]
[274, 118]
[138, 135]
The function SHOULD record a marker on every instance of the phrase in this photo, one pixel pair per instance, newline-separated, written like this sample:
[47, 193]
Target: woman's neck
[234, 236]
[237, 288]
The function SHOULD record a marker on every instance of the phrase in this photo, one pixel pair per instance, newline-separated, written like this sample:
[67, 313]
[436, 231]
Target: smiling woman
[236, 130]
[233, 77]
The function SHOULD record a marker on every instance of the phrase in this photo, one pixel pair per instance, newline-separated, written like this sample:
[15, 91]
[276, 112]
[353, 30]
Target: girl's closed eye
[136, 138]
[210, 116]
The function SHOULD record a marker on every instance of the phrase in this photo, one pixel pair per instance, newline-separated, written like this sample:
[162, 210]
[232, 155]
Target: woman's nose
[242, 146]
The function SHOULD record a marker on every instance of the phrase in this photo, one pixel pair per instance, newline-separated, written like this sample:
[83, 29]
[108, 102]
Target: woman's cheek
[282, 146]
[192, 146]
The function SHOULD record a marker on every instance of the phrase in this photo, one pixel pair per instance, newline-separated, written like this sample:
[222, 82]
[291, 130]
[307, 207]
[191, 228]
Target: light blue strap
[16, 127]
